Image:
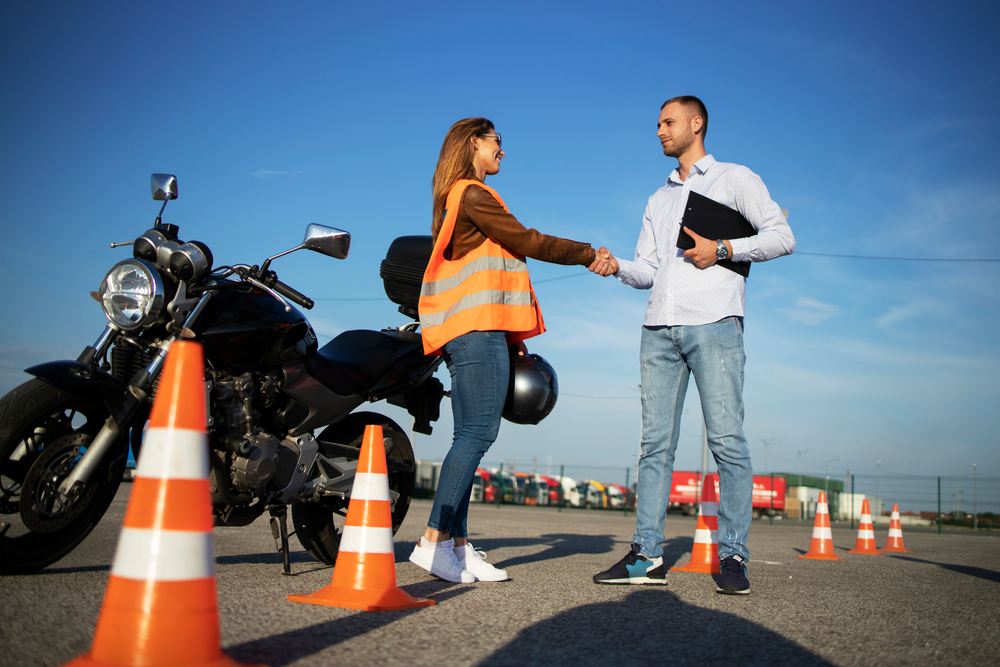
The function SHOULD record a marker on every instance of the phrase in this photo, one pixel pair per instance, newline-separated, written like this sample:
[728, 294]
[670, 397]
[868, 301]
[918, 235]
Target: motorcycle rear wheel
[313, 522]
[43, 431]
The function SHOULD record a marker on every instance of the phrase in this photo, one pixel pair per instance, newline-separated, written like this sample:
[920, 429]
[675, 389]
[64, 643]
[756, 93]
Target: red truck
[685, 492]
[485, 486]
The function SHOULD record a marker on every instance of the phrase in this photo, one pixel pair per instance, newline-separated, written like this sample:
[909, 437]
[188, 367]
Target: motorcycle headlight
[132, 294]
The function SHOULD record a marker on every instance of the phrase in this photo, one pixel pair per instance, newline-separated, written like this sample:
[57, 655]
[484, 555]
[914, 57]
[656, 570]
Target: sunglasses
[495, 135]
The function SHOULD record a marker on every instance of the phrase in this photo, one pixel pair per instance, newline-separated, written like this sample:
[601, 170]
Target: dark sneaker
[634, 569]
[733, 578]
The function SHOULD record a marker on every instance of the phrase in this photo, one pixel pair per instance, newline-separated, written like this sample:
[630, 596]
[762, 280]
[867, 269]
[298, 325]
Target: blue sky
[876, 124]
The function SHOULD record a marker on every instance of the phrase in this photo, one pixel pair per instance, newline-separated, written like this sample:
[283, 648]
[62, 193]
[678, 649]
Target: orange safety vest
[487, 290]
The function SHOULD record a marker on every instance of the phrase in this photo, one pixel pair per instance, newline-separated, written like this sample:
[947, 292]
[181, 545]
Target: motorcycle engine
[255, 469]
[252, 454]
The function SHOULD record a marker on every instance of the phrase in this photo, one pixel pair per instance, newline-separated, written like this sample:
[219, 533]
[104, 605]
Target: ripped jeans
[668, 355]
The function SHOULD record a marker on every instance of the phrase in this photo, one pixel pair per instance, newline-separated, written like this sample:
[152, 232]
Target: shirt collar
[701, 166]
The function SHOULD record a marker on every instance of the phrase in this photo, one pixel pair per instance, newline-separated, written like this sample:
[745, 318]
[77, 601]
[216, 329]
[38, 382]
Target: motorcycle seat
[354, 361]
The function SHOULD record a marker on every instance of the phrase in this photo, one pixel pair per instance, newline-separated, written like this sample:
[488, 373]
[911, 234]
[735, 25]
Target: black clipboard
[713, 220]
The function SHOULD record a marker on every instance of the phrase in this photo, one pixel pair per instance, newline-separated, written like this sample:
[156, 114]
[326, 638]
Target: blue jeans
[479, 365]
[668, 355]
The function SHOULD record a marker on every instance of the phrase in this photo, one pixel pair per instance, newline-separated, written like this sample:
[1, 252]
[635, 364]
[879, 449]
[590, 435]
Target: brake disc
[43, 508]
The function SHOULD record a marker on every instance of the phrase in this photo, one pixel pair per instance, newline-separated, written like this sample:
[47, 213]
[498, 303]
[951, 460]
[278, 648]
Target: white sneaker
[475, 562]
[439, 559]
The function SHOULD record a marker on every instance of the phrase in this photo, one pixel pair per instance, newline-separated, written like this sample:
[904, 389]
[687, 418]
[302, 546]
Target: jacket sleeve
[489, 216]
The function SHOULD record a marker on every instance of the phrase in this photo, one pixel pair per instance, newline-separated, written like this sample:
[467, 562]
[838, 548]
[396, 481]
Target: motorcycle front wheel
[44, 431]
[313, 522]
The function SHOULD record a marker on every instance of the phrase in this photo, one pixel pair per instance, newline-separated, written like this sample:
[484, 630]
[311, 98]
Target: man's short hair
[693, 104]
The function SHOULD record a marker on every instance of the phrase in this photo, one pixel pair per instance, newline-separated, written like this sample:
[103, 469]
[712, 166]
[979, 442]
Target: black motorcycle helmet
[533, 387]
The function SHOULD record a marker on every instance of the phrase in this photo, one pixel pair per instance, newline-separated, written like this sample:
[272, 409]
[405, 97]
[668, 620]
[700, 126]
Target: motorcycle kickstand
[279, 530]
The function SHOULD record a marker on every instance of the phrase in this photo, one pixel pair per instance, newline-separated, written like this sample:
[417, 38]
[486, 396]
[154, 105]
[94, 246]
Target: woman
[476, 298]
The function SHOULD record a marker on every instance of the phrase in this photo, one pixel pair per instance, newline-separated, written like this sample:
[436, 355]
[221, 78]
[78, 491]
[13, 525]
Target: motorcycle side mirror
[327, 240]
[164, 186]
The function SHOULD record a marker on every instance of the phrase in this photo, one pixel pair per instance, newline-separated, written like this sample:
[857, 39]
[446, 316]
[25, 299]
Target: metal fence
[952, 501]
[971, 501]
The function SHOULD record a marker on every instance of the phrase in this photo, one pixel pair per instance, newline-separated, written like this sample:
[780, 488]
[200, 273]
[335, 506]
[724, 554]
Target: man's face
[675, 129]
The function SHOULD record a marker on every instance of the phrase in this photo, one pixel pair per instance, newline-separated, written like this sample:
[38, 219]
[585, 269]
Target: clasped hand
[604, 263]
[703, 255]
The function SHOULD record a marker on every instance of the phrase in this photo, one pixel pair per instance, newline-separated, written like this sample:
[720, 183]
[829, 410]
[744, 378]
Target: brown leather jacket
[481, 215]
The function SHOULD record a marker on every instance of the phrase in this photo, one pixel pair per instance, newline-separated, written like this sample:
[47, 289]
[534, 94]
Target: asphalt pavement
[939, 605]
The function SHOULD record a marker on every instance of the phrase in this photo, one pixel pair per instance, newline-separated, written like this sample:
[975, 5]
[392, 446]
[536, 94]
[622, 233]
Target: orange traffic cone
[866, 533]
[160, 607]
[821, 547]
[705, 554]
[365, 574]
[895, 542]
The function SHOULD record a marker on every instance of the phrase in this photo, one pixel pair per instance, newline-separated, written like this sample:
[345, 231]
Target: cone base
[703, 568]
[871, 551]
[346, 598]
[899, 550]
[223, 660]
[820, 556]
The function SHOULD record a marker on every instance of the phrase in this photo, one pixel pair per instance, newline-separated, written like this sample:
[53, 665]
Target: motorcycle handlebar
[290, 294]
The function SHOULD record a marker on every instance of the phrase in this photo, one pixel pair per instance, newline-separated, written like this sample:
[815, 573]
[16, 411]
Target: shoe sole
[443, 578]
[500, 576]
[635, 581]
[731, 591]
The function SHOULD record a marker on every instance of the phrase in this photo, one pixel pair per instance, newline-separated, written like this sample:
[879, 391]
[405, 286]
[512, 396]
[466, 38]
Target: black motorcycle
[281, 423]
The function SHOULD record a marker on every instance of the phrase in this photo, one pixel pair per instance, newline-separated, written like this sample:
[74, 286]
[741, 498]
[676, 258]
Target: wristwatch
[722, 251]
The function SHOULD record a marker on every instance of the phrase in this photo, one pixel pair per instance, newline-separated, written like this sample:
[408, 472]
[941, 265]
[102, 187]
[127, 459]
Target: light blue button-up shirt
[681, 293]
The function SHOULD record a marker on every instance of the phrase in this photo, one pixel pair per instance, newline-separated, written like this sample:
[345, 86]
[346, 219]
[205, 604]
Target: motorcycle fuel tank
[245, 328]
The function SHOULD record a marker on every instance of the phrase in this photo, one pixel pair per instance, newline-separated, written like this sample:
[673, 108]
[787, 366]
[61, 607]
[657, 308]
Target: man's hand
[604, 263]
[703, 253]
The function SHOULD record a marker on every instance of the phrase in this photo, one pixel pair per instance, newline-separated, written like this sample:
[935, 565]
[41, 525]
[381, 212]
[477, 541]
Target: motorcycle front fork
[105, 439]
[139, 389]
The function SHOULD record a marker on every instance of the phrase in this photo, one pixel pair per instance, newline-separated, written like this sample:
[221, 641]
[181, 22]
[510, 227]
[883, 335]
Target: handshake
[604, 263]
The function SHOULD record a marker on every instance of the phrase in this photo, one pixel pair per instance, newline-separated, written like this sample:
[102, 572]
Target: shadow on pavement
[71, 570]
[288, 647]
[653, 626]
[677, 548]
[559, 545]
[988, 575]
[299, 558]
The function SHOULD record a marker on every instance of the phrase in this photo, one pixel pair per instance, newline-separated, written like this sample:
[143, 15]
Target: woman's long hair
[455, 162]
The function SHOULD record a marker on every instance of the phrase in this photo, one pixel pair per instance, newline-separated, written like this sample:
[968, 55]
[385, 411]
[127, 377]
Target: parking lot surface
[939, 605]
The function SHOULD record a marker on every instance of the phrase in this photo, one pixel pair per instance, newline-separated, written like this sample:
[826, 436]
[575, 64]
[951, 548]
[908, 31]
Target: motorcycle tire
[43, 430]
[314, 525]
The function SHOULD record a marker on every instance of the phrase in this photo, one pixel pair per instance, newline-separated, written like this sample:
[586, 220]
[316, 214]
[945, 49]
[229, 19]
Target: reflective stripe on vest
[487, 290]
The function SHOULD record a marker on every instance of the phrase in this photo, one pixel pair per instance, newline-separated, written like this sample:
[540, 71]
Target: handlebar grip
[290, 294]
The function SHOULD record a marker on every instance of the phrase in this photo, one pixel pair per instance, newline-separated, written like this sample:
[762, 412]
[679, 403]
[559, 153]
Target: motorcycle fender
[74, 376]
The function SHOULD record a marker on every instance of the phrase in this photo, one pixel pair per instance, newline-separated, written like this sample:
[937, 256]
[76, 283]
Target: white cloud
[897, 314]
[810, 312]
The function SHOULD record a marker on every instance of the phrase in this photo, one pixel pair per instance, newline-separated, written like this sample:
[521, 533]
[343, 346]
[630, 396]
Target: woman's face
[487, 156]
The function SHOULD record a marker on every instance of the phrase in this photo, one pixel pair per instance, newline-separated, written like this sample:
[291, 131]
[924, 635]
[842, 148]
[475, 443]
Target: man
[694, 324]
